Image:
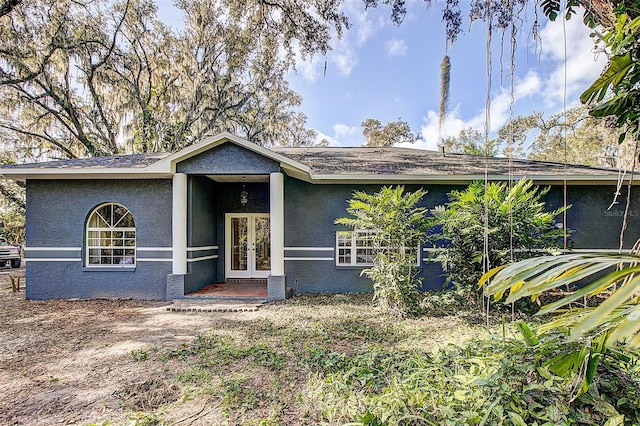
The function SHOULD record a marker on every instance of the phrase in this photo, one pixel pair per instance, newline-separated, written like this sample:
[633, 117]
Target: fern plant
[399, 224]
[516, 220]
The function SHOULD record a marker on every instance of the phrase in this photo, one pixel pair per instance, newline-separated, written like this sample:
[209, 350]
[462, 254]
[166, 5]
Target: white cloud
[321, 137]
[366, 23]
[396, 47]
[430, 131]
[577, 61]
[310, 68]
[527, 87]
[343, 135]
[344, 55]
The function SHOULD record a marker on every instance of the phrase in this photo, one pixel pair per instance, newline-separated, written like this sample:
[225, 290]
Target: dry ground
[70, 362]
[128, 362]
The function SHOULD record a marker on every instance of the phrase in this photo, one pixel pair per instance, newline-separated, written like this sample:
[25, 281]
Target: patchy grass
[269, 368]
[327, 359]
[332, 359]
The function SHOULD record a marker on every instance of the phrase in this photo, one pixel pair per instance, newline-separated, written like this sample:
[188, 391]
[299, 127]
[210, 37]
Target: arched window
[111, 236]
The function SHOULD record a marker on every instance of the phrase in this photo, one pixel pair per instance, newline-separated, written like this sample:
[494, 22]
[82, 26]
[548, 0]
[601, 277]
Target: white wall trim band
[154, 248]
[142, 259]
[309, 248]
[309, 258]
[50, 259]
[567, 251]
[198, 259]
[53, 248]
[204, 248]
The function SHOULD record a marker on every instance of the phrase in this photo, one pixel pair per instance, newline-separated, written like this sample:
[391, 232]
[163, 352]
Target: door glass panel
[262, 244]
[239, 243]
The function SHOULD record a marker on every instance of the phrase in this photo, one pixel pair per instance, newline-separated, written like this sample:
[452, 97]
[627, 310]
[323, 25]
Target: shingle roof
[359, 162]
[409, 161]
[116, 161]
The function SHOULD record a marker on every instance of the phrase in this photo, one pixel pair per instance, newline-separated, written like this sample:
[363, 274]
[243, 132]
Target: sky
[386, 72]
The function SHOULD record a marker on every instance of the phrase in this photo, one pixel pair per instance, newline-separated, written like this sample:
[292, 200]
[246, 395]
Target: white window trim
[353, 247]
[89, 247]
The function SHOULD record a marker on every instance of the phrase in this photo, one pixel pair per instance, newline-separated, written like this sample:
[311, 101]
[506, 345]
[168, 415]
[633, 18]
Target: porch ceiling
[239, 178]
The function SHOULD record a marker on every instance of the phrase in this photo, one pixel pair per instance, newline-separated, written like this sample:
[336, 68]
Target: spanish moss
[445, 79]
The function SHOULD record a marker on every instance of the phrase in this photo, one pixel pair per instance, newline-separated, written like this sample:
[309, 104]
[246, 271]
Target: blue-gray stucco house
[159, 226]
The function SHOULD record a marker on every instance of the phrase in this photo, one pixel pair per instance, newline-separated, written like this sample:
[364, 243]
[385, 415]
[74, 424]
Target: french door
[247, 245]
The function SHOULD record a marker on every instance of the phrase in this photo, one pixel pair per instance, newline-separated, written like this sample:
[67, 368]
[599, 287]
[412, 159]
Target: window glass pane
[104, 213]
[106, 240]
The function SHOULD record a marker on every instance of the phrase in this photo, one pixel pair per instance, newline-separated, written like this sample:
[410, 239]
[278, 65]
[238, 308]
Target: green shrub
[517, 224]
[398, 224]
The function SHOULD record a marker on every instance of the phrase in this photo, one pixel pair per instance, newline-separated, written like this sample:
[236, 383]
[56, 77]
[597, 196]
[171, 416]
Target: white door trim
[251, 271]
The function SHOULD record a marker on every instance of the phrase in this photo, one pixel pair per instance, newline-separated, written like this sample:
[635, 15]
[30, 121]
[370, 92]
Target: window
[111, 236]
[355, 248]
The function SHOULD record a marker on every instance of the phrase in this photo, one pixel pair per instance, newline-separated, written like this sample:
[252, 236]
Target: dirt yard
[70, 362]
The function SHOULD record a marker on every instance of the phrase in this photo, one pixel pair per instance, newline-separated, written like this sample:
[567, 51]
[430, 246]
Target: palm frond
[615, 276]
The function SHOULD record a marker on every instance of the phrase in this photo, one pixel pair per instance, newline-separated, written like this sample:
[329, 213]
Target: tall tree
[96, 78]
[471, 142]
[388, 135]
[574, 137]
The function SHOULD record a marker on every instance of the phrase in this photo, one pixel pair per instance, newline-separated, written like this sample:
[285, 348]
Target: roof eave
[23, 174]
[462, 179]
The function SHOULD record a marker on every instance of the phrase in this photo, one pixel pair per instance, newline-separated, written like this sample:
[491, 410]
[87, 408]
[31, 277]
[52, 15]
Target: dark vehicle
[9, 253]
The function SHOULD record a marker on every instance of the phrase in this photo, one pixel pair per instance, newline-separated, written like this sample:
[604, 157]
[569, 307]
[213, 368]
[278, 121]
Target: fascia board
[461, 179]
[23, 174]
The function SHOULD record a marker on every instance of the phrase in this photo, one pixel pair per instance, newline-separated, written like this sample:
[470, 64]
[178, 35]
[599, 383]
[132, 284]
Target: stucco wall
[310, 211]
[310, 232]
[228, 159]
[57, 211]
[593, 225]
[202, 233]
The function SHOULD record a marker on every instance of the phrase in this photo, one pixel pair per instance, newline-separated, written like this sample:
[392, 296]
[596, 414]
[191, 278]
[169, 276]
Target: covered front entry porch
[228, 236]
[233, 289]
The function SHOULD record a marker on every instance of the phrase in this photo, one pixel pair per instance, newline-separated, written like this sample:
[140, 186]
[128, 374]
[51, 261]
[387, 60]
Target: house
[162, 225]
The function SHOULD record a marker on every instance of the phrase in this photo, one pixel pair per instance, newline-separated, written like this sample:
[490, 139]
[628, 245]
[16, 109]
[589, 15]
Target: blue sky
[378, 70]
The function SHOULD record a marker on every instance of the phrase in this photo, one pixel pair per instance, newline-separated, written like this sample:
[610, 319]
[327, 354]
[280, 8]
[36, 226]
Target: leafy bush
[488, 381]
[399, 225]
[516, 222]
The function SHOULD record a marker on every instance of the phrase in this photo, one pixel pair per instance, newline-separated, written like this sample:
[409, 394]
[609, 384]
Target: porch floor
[232, 289]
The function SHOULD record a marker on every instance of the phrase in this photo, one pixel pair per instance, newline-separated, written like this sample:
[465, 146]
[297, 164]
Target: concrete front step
[182, 305]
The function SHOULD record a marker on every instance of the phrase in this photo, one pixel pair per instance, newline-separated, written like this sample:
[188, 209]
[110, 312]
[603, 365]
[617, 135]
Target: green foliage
[399, 224]
[612, 277]
[343, 363]
[388, 135]
[140, 354]
[143, 418]
[487, 381]
[616, 93]
[572, 136]
[515, 219]
[471, 142]
[77, 77]
[607, 329]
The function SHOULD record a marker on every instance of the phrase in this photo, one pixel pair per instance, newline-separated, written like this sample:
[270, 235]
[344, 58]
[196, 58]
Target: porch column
[276, 281]
[179, 224]
[276, 192]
